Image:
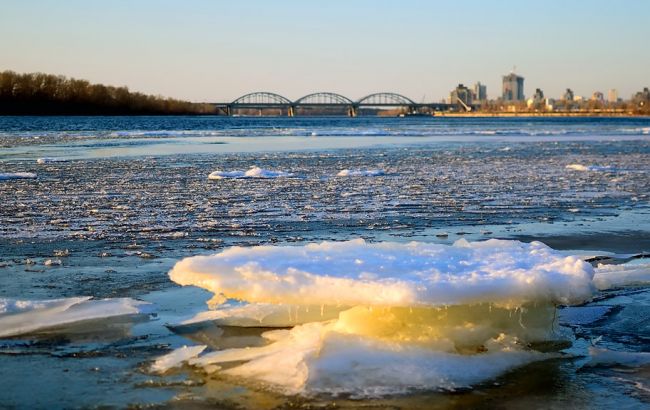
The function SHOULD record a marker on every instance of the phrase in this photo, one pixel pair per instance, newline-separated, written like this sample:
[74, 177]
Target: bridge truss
[264, 99]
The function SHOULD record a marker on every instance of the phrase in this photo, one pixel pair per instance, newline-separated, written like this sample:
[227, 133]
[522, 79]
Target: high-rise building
[612, 95]
[568, 95]
[598, 96]
[480, 92]
[513, 87]
[461, 96]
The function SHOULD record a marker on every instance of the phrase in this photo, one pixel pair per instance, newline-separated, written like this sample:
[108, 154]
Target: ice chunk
[594, 168]
[606, 357]
[392, 317]
[316, 357]
[49, 160]
[25, 316]
[391, 274]
[176, 358]
[17, 175]
[360, 173]
[634, 273]
[254, 172]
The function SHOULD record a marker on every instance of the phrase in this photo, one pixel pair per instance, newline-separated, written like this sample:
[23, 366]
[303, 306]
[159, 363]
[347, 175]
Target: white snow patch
[254, 172]
[25, 316]
[17, 175]
[176, 358]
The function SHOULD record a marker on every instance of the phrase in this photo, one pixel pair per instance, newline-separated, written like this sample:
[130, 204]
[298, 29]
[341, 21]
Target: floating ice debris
[49, 160]
[392, 316]
[393, 274]
[633, 273]
[361, 173]
[25, 316]
[176, 358]
[17, 175]
[254, 172]
[61, 253]
[583, 315]
[595, 168]
[606, 357]
[53, 262]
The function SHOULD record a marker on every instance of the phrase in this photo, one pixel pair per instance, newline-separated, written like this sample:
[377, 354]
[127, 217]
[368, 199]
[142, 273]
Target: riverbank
[479, 114]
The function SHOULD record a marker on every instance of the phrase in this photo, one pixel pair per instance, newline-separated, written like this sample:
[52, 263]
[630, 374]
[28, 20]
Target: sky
[216, 51]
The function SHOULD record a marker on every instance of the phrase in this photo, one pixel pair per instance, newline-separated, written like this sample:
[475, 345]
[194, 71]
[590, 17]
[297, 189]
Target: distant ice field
[102, 137]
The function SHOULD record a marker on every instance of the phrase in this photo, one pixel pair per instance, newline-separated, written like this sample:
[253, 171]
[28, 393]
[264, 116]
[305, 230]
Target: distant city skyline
[218, 50]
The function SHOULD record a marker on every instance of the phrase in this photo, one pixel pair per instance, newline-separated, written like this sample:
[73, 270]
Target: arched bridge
[264, 99]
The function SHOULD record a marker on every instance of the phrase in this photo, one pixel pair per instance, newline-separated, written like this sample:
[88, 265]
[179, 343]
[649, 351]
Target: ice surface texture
[392, 274]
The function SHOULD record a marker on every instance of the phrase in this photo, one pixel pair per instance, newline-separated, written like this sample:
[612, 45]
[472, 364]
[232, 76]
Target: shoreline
[538, 115]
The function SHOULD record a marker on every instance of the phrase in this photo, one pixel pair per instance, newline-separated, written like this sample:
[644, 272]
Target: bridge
[267, 100]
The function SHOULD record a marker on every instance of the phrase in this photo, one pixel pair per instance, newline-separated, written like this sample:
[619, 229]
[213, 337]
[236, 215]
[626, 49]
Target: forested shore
[47, 94]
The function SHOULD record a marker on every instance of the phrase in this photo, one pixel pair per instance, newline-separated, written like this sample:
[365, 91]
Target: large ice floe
[254, 172]
[19, 317]
[381, 318]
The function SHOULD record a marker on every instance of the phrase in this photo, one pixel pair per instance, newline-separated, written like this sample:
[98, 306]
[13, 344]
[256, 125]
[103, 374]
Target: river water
[104, 207]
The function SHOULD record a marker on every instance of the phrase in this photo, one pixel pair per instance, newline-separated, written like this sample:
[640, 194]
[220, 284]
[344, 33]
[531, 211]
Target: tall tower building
[513, 87]
[480, 92]
[612, 95]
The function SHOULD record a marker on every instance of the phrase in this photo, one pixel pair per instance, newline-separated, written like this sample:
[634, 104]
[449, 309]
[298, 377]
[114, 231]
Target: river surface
[105, 206]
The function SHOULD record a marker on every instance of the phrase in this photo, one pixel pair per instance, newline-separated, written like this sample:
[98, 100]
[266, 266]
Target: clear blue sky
[205, 50]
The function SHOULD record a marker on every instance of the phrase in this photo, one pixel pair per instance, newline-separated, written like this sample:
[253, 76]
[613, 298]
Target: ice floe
[605, 357]
[176, 358]
[17, 175]
[594, 168]
[26, 316]
[392, 317]
[254, 172]
[361, 173]
[633, 273]
[48, 160]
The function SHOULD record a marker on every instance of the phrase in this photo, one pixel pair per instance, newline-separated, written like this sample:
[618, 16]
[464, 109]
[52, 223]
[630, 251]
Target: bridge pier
[290, 112]
[352, 111]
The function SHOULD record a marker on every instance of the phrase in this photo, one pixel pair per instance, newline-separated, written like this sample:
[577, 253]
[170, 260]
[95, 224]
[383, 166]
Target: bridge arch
[385, 99]
[323, 98]
[261, 97]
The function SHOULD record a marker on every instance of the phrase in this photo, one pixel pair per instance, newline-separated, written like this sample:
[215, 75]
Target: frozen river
[104, 207]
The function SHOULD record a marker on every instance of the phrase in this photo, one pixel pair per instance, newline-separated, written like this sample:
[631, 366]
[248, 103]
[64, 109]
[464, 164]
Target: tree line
[46, 94]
